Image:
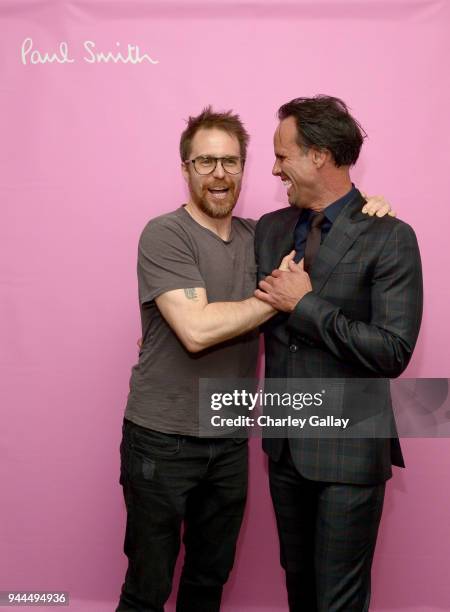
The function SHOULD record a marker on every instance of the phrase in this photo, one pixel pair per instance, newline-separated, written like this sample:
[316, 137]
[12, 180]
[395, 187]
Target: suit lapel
[344, 231]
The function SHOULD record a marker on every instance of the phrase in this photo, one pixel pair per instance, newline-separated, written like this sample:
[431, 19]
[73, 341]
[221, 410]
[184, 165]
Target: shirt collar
[332, 210]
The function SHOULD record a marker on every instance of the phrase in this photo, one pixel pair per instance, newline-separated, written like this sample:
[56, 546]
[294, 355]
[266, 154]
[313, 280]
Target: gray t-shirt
[175, 252]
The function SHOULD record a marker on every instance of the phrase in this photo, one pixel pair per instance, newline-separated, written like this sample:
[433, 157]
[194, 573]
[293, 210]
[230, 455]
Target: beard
[219, 209]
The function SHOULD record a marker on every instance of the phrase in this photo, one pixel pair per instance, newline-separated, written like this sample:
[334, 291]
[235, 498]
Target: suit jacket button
[293, 348]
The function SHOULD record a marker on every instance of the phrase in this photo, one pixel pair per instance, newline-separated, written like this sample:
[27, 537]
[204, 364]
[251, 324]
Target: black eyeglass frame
[216, 159]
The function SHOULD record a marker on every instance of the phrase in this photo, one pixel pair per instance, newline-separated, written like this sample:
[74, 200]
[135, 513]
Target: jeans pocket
[139, 455]
[153, 443]
[137, 468]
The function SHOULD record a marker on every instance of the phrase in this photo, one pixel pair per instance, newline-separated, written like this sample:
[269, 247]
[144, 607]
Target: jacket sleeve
[383, 345]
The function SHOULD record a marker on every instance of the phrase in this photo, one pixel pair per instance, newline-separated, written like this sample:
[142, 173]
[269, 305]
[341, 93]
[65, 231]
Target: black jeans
[167, 480]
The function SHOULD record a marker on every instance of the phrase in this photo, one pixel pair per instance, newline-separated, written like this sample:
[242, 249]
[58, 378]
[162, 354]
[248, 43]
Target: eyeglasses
[205, 164]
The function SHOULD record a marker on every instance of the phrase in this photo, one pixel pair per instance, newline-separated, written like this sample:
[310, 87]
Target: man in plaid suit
[355, 314]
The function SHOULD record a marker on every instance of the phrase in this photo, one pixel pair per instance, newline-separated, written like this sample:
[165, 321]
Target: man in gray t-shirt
[197, 274]
[176, 252]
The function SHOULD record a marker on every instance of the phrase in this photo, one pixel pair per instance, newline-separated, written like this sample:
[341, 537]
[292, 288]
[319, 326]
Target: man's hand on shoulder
[377, 205]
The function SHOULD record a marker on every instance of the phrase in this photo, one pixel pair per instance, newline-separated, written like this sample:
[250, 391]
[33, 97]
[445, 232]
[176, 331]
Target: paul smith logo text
[127, 54]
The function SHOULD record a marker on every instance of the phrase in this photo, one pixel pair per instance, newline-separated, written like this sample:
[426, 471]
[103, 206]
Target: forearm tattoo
[191, 294]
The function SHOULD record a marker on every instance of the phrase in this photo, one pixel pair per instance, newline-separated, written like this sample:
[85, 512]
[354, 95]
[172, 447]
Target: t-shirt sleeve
[166, 261]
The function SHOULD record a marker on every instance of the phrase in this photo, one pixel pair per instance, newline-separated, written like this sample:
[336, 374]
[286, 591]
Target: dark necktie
[313, 240]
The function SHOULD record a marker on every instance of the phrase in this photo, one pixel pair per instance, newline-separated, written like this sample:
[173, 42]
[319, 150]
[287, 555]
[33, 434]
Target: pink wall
[89, 154]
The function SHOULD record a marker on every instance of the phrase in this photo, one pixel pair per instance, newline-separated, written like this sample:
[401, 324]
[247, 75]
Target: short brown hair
[208, 119]
[326, 123]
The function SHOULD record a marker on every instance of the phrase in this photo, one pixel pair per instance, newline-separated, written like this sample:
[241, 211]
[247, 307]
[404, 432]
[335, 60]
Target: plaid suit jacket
[361, 320]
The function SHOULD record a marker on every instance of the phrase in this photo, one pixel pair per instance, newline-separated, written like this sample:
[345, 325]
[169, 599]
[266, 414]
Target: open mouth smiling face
[216, 191]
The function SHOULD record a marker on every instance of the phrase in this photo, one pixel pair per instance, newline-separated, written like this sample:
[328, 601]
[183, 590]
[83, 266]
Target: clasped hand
[285, 287]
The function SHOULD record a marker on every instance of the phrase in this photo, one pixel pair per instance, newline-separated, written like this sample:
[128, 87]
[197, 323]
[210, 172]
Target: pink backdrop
[89, 154]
